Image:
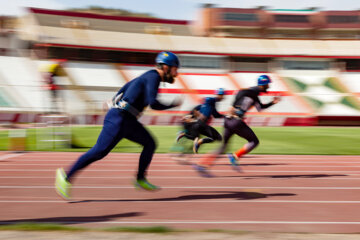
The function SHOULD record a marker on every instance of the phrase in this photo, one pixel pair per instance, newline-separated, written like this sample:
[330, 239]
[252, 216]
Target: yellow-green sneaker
[144, 184]
[62, 186]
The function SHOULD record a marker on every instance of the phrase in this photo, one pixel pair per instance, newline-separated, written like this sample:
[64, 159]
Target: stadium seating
[324, 93]
[21, 84]
[304, 92]
[88, 85]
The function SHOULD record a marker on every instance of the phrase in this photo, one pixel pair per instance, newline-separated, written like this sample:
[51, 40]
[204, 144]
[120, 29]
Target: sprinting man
[234, 124]
[197, 122]
[121, 121]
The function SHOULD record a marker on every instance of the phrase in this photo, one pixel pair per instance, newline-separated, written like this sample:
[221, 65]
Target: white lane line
[175, 165]
[202, 222]
[185, 187]
[219, 160]
[280, 177]
[169, 155]
[179, 201]
[182, 170]
[231, 222]
[7, 156]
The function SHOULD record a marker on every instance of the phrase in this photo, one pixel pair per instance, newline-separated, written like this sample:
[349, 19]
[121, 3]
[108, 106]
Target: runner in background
[234, 124]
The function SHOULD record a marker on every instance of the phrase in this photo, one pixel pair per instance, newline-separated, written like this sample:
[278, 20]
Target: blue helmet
[167, 58]
[263, 80]
[220, 91]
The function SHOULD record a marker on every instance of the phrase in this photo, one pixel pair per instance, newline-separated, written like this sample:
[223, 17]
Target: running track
[319, 194]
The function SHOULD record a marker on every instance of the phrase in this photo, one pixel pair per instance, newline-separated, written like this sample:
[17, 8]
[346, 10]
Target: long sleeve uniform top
[247, 98]
[142, 91]
[208, 109]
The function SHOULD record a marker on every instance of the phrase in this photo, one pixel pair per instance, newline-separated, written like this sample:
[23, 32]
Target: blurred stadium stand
[313, 58]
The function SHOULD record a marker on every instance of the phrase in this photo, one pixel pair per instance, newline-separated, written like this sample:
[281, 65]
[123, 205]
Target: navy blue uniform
[208, 109]
[120, 123]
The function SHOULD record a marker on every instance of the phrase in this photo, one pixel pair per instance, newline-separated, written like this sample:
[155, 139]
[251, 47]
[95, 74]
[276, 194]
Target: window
[83, 54]
[292, 18]
[245, 17]
[71, 23]
[342, 19]
[155, 29]
[250, 59]
[201, 62]
[306, 65]
[249, 64]
[352, 64]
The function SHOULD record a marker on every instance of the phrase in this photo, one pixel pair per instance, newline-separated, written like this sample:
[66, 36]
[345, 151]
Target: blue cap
[263, 80]
[220, 91]
[167, 58]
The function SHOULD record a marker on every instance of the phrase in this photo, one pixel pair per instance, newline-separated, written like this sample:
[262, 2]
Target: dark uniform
[194, 129]
[196, 123]
[234, 123]
[121, 122]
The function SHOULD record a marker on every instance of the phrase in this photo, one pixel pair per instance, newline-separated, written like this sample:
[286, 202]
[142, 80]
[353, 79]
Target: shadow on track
[215, 195]
[290, 176]
[254, 164]
[73, 220]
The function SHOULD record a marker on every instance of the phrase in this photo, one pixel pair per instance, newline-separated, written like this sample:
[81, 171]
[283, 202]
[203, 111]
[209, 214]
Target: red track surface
[275, 193]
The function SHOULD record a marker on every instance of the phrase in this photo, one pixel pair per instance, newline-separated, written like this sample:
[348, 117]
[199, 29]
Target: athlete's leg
[108, 138]
[110, 135]
[210, 158]
[138, 133]
[182, 144]
[210, 133]
[228, 132]
[192, 130]
[246, 132]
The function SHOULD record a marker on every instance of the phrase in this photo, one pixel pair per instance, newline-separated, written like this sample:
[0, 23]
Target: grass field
[273, 140]
[46, 227]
